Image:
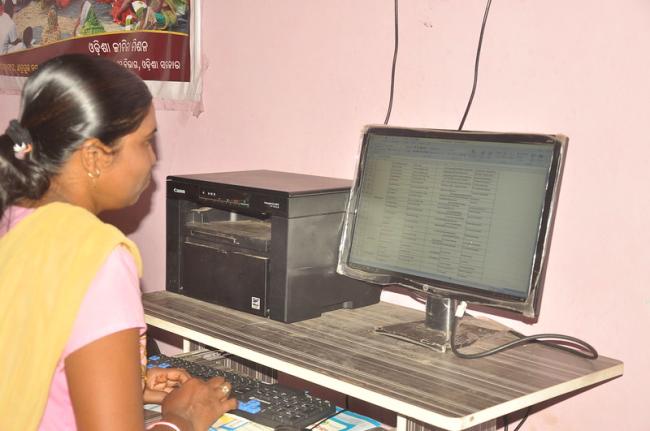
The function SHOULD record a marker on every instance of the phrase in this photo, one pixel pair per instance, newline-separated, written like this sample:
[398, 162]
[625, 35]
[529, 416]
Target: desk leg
[402, 423]
[189, 346]
[406, 424]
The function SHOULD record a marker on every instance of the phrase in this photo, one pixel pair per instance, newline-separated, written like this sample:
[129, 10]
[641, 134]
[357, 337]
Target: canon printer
[263, 242]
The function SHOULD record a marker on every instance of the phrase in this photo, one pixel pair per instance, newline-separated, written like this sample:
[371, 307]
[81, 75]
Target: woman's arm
[105, 386]
[105, 383]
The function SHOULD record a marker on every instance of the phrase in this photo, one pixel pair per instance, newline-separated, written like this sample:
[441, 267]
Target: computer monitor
[461, 216]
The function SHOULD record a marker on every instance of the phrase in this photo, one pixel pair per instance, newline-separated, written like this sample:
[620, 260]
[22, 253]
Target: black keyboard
[269, 404]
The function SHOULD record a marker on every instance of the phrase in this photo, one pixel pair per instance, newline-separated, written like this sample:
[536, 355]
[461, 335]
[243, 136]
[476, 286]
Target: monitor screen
[462, 214]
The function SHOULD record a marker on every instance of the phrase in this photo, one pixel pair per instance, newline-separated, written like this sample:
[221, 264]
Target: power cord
[579, 347]
[392, 73]
[476, 63]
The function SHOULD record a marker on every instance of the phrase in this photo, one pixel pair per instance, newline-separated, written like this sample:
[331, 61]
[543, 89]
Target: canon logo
[179, 190]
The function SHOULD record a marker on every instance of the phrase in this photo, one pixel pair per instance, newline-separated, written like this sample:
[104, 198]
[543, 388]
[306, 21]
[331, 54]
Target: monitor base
[436, 330]
[421, 334]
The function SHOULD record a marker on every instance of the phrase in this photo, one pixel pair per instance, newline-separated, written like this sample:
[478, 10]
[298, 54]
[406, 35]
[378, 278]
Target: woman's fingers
[222, 387]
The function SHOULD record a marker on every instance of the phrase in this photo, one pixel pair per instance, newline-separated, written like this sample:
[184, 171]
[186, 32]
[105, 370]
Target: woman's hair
[68, 100]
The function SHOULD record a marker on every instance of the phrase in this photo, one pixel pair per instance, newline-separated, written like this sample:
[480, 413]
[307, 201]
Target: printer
[263, 242]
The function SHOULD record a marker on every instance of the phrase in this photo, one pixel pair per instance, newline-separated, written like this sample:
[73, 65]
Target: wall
[290, 83]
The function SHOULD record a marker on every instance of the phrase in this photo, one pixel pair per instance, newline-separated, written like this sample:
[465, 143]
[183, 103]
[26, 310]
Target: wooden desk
[341, 351]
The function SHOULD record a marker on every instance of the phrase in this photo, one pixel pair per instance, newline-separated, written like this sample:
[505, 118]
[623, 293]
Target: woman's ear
[95, 156]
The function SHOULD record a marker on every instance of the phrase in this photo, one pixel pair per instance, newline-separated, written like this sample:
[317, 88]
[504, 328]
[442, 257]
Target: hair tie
[21, 138]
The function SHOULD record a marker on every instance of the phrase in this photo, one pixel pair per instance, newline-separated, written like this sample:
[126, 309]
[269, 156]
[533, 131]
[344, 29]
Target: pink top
[111, 304]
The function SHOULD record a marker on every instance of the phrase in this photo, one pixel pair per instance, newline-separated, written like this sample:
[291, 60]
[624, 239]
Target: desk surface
[341, 351]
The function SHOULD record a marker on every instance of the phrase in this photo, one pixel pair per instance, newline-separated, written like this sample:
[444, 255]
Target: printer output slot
[249, 234]
[224, 247]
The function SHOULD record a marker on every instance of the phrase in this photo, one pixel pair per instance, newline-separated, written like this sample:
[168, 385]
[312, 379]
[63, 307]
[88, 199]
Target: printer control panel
[236, 199]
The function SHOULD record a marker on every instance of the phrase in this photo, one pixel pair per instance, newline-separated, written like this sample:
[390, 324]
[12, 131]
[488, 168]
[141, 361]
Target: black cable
[523, 419]
[594, 354]
[520, 424]
[392, 73]
[546, 339]
[478, 57]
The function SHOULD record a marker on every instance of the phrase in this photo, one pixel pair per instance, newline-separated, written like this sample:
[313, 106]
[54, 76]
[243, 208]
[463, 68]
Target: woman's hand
[161, 381]
[196, 405]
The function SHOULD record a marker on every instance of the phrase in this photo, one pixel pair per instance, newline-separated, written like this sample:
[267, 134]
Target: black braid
[18, 133]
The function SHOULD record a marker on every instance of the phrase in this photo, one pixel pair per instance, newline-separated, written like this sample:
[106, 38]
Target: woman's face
[122, 182]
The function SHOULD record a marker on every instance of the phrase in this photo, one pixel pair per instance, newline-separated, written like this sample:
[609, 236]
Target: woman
[52, 32]
[71, 319]
[87, 24]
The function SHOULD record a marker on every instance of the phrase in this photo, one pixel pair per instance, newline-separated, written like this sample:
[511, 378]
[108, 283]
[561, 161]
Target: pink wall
[290, 83]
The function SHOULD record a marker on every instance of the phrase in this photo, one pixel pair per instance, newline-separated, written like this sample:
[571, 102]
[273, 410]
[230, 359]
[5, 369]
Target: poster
[156, 39]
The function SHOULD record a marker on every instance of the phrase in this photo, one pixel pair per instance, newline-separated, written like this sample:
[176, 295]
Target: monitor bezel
[528, 305]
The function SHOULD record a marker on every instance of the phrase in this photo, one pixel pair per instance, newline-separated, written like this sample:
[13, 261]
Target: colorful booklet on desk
[344, 421]
[347, 421]
[230, 422]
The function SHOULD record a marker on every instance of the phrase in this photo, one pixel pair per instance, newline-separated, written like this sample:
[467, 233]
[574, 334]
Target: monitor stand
[435, 331]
